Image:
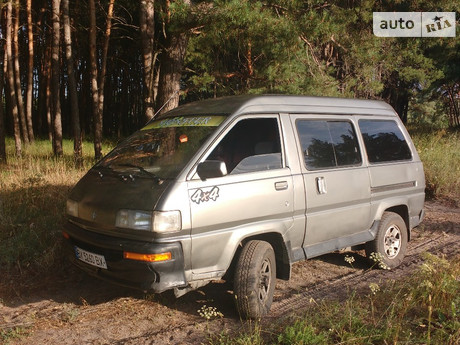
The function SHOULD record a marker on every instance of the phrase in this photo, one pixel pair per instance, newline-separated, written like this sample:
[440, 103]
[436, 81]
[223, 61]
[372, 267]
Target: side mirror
[210, 169]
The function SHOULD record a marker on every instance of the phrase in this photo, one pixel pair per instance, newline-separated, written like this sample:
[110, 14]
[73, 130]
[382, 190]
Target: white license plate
[90, 258]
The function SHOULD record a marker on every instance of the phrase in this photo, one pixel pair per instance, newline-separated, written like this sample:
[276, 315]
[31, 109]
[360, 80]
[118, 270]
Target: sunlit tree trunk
[10, 77]
[249, 65]
[105, 50]
[94, 87]
[42, 65]
[17, 75]
[30, 72]
[171, 64]
[74, 110]
[55, 80]
[147, 29]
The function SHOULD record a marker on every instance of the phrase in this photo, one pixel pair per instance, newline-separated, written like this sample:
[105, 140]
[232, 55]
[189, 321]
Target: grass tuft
[33, 192]
[439, 150]
[7, 336]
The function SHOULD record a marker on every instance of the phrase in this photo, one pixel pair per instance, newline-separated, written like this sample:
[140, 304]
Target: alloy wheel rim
[264, 280]
[392, 241]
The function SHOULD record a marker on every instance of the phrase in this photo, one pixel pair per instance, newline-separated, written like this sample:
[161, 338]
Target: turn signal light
[148, 257]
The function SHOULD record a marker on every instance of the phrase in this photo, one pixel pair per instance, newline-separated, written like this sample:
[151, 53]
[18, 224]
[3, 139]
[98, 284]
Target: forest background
[94, 69]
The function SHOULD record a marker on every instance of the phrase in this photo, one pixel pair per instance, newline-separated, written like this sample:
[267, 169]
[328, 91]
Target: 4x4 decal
[204, 196]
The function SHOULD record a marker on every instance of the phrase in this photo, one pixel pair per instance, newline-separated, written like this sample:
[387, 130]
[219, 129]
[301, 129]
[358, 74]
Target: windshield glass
[163, 147]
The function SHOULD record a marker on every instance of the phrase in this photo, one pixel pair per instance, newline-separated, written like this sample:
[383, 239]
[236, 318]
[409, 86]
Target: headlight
[132, 219]
[167, 221]
[72, 208]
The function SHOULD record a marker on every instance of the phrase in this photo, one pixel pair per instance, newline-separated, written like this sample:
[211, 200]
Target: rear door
[336, 182]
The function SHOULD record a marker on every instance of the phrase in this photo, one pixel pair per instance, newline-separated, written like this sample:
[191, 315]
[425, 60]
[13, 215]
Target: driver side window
[251, 145]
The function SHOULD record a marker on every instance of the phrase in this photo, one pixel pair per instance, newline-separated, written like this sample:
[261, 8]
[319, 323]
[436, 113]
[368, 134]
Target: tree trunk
[10, 77]
[48, 104]
[2, 115]
[147, 28]
[74, 110]
[250, 66]
[105, 49]
[171, 65]
[45, 91]
[55, 80]
[94, 87]
[43, 52]
[17, 76]
[30, 72]
[453, 106]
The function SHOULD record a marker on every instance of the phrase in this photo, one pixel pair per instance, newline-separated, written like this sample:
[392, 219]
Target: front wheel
[390, 243]
[254, 280]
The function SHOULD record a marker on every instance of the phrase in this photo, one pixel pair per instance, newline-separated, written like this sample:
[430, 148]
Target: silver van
[243, 187]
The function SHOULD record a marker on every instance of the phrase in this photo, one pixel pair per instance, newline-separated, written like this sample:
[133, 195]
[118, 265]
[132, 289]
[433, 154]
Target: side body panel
[342, 210]
[226, 210]
[338, 201]
[400, 183]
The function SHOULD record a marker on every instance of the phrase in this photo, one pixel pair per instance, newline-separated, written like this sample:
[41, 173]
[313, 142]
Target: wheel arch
[403, 212]
[283, 266]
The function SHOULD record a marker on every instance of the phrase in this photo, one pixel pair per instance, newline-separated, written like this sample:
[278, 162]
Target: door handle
[321, 185]
[282, 185]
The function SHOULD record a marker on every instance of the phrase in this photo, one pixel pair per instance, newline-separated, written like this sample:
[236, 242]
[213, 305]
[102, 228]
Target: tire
[255, 279]
[391, 241]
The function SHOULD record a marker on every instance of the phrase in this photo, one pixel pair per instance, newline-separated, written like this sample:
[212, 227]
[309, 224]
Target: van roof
[247, 104]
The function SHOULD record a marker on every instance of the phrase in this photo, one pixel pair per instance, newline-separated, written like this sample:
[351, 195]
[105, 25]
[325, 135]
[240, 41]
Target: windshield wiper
[158, 179]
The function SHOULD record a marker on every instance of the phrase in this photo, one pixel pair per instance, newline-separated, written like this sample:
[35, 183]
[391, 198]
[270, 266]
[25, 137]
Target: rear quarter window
[384, 141]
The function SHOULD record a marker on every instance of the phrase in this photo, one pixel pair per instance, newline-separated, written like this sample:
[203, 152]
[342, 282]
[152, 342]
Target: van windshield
[163, 147]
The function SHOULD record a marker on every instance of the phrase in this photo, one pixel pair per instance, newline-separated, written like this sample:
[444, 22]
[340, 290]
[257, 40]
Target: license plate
[90, 258]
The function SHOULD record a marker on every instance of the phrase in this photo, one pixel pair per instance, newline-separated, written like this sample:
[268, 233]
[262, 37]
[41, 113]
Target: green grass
[422, 309]
[439, 151]
[6, 336]
[33, 192]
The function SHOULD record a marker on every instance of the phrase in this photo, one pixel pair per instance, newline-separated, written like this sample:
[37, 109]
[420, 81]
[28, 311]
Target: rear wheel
[390, 243]
[254, 280]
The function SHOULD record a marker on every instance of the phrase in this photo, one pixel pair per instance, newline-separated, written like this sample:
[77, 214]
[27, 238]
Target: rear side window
[328, 144]
[384, 141]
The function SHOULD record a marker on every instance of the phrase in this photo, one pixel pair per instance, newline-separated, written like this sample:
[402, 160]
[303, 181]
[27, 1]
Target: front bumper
[146, 276]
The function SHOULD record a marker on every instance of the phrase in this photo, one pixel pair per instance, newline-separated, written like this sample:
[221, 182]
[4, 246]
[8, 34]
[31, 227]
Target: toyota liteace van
[243, 187]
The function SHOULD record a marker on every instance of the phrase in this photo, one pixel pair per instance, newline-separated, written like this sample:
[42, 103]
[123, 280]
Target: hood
[101, 195]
